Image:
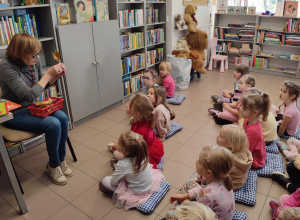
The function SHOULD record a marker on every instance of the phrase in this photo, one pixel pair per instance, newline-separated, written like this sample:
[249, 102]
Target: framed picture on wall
[195, 2]
[290, 9]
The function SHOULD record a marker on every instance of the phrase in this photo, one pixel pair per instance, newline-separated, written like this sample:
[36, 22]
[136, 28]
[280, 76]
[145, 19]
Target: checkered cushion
[272, 148]
[247, 194]
[177, 99]
[174, 129]
[160, 166]
[149, 206]
[238, 215]
[273, 163]
[297, 135]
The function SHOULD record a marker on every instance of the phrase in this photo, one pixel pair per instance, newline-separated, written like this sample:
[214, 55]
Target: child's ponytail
[265, 108]
[227, 181]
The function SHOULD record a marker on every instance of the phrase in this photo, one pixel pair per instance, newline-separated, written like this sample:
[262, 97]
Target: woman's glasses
[146, 78]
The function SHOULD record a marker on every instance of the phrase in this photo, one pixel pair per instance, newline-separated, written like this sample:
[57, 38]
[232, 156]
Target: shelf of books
[278, 47]
[142, 27]
[235, 40]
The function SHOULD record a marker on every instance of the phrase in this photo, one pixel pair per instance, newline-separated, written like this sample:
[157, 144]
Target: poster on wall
[195, 2]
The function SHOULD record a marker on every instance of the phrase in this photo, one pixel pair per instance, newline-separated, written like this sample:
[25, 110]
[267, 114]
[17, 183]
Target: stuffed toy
[198, 42]
[182, 44]
[185, 53]
[190, 19]
[180, 23]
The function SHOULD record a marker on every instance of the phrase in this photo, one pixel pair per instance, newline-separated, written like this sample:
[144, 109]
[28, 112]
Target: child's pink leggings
[227, 115]
[292, 153]
[282, 200]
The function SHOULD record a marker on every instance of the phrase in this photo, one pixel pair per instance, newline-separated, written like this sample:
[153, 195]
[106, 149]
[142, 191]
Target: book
[222, 4]
[101, 10]
[84, 11]
[230, 10]
[10, 105]
[62, 14]
[5, 3]
[290, 9]
[32, 2]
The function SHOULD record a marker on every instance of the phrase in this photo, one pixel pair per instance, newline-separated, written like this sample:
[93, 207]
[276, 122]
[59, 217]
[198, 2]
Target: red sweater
[256, 143]
[155, 146]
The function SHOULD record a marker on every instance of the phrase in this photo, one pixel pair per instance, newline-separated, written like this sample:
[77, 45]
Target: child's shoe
[280, 178]
[274, 206]
[282, 146]
[212, 111]
[215, 98]
[218, 106]
[110, 146]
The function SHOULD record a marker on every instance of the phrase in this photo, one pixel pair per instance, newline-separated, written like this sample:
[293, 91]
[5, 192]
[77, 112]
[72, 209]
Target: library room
[149, 109]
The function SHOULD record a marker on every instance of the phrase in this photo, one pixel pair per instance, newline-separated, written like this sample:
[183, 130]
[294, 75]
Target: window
[261, 5]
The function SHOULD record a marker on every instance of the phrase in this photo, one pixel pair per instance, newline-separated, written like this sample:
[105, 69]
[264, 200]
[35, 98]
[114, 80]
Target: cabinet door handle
[94, 63]
[98, 61]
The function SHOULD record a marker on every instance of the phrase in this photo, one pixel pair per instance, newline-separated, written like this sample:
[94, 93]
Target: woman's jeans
[55, 127]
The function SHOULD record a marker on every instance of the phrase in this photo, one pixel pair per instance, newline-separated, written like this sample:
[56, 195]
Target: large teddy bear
[198, 42]
[190, 19]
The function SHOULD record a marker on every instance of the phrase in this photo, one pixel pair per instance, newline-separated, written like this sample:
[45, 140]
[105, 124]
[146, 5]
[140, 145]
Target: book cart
[142, 28]
[273, 50]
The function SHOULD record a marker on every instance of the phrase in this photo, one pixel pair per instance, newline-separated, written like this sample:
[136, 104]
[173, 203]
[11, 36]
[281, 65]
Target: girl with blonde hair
[235, 139]
[216, 188]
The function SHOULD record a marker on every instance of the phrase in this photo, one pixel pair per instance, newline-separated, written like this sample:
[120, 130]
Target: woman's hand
[56, 72]
[179, 197]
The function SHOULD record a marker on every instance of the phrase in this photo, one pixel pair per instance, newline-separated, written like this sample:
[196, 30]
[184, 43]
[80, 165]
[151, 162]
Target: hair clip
[208, 158]
[262, 94]
[137, 136]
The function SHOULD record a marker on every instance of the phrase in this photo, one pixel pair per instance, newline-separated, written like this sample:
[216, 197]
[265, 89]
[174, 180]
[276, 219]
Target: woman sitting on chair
[22, 82]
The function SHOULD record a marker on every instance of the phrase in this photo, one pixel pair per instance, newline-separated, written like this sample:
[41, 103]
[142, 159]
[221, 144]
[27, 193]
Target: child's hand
[115, 146]
[200, 179]
[127, 108]
[178, 197]
[224, 104]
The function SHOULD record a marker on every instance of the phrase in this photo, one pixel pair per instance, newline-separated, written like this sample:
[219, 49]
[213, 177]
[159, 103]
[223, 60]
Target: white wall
[204, 15]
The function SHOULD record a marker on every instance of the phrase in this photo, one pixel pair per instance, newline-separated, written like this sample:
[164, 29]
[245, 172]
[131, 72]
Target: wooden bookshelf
[116, 6]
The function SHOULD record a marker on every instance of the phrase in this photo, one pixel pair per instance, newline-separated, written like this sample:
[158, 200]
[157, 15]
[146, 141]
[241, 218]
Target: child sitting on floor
[233, 95]
[215, 190]
[289, 93]
[165, 78]
[289, 206]
[230, 112]
[133, 181]
[157, 96]
[235, 139]
[150, 78]
[252, 106]
[269, 127]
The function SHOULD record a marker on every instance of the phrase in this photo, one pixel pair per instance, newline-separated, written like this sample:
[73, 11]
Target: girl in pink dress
[133, 181]
[215, 189]
[165, 79]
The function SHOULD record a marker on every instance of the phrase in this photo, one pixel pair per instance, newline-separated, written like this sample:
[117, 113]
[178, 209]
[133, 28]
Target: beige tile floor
[80, 198]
